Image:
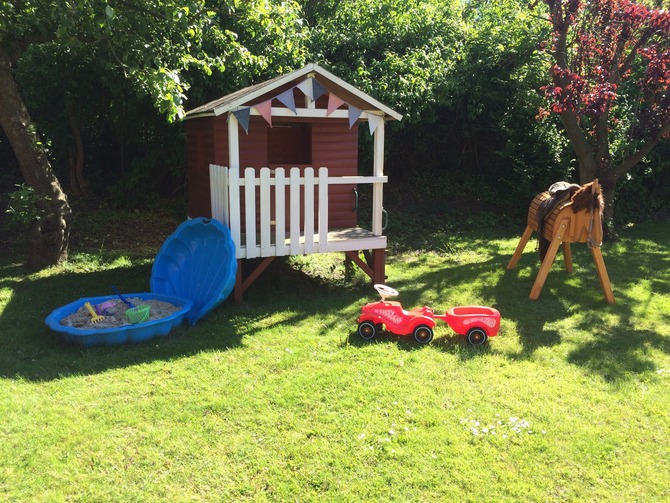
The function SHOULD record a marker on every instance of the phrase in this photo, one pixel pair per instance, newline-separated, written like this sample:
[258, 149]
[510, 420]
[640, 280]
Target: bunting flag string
[288, 100]
[314, 90]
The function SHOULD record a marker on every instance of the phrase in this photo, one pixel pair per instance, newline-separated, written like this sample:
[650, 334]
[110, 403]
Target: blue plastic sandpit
[118, 335]
[195, 270]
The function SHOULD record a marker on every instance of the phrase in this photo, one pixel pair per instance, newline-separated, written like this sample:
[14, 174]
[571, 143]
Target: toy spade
[135, 314]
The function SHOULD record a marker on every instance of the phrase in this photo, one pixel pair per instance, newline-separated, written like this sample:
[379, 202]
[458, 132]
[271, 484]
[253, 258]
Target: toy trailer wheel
[367, 330]
[476, 336]
[423, 334]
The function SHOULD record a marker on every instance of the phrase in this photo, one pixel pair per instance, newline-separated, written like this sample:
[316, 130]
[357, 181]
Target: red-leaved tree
[610, 83]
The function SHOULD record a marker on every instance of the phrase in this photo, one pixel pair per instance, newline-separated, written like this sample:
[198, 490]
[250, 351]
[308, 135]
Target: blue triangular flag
[242, 116]
[312, 89]
[317, 90]
[354, 114]
[287, 99]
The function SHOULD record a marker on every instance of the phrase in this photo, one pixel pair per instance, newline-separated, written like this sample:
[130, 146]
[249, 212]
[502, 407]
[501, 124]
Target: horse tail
[543, 247]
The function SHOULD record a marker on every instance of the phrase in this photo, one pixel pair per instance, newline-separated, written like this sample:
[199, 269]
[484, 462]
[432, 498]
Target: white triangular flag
[374, 121]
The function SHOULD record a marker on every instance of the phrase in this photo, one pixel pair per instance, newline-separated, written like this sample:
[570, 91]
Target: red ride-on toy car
[476, 323]
[389, 313]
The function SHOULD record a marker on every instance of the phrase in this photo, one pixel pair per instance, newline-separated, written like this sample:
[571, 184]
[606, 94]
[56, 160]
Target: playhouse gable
[312, 80]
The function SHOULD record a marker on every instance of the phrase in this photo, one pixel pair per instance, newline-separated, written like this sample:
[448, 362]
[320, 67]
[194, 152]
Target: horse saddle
[560, 192]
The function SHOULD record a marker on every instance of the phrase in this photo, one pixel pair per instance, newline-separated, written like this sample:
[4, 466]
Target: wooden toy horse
[565, 214]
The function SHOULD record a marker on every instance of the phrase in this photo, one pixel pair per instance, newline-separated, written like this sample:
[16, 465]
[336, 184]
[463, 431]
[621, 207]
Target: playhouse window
[290, 143]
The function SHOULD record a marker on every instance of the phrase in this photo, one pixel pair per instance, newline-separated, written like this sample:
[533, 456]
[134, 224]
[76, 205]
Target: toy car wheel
[476, 336]
[423, 334]
[367, 330]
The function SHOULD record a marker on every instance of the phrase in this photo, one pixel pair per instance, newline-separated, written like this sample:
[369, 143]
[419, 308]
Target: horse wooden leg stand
[574, 216]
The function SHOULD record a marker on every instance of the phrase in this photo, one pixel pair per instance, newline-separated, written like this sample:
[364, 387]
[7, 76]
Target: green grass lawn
[278, 399]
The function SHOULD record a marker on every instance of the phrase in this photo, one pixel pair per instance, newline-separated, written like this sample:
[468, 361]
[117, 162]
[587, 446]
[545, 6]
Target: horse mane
[584, 198]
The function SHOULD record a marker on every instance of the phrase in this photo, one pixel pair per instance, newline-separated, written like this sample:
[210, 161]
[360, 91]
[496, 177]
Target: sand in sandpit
[115, 316]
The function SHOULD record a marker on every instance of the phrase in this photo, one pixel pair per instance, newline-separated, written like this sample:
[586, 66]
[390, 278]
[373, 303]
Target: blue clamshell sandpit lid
[198, 263]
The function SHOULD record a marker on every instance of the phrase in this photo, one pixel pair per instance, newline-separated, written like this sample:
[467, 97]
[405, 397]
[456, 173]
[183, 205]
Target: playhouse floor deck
[339, 240]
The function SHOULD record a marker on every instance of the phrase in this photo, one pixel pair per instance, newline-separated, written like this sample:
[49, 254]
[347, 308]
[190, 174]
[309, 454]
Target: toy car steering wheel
[385, 291]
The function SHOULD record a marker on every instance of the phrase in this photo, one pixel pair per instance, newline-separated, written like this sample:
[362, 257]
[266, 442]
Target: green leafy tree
[465, 75]
[63, 85]
[499, 147]
[154, 45]
[396, 50]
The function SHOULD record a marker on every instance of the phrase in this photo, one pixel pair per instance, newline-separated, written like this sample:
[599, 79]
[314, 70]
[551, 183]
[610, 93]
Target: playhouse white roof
[332, 83]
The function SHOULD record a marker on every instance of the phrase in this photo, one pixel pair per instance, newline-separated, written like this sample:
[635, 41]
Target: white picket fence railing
[309, 235]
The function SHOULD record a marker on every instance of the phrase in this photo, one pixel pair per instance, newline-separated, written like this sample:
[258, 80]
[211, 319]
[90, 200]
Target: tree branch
[628, 163]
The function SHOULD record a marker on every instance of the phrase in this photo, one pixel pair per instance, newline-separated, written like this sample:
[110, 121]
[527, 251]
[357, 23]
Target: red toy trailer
[476, 323]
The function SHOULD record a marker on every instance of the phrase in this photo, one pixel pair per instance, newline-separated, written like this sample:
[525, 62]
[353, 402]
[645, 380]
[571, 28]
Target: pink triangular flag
[265, 109]
[333, 103]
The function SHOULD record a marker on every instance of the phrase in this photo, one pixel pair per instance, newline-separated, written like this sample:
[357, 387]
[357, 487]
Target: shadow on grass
[454, 344]
[30, 351]
[617, 346]
[620, 338]
[622, 345]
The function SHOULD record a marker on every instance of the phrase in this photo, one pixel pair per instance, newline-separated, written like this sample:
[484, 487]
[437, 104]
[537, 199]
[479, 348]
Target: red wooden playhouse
[278, 163]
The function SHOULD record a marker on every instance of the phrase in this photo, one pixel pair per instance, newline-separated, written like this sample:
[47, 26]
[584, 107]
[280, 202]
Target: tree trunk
[608, 183]
[50, 232]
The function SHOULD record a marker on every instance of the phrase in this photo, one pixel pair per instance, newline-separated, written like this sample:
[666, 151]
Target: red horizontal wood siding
[200, 152]
[334, 145]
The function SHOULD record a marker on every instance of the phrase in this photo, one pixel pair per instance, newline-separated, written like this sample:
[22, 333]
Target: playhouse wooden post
[378, 259]
[233, 142]
[379, 266]
[378, 187]
[241, 284]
